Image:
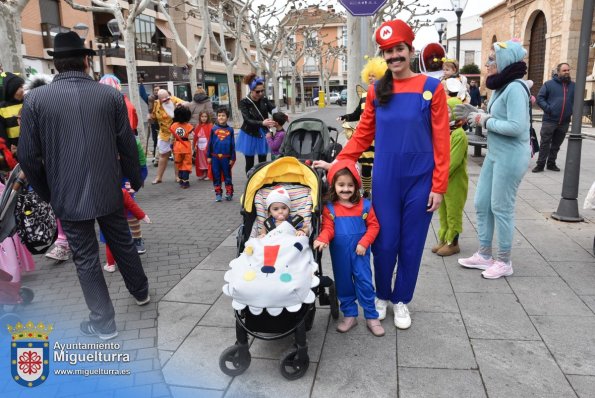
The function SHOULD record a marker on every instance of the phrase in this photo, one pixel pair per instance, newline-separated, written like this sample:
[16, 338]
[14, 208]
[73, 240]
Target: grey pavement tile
[495, 316]
[435, 340]
[199, 286]
[547, 296]
[590, 301]
[196, 362]
[547, 238]
[439, 383]
[164, 356]
[315, 337]
[263, 379]
[176, 321]
[219, 259]
[161, 390]
[571, 341]
[579, 276]
[186, 392]
[361, 328]
[426, 301]
[137, 391]
[350, 363]
[519, 369]
[583, 385]
[219, 314]
[528, 262]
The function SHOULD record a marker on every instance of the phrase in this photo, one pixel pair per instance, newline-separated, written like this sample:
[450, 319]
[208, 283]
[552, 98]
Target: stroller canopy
[286, 169]
[306, 138]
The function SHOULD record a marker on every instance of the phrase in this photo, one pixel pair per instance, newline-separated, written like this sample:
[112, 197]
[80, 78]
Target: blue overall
[353, 275]
[402, 182]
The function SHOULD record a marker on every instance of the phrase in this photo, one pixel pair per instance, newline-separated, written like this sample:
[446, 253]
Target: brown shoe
[375, 327]
[346, 324]
[448, 250]
[438, 247]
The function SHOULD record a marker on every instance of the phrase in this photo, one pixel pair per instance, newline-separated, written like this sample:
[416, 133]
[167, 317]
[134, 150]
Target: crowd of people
[418, 168]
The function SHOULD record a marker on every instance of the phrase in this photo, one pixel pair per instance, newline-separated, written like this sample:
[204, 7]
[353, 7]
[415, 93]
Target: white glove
[147, 219]
[478, 119]
[462, 111]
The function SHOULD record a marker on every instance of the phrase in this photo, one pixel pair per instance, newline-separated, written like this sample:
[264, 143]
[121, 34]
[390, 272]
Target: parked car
[333, 98]
[343, 97]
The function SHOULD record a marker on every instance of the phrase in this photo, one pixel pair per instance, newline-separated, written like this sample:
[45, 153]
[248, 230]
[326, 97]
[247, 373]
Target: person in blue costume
[406, 113]
[507, 123]
[349, 226]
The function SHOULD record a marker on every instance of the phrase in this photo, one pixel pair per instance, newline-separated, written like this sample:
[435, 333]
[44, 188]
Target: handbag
[35, 222]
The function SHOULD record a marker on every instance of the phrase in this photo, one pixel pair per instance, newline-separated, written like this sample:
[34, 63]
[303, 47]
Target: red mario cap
[391, 33]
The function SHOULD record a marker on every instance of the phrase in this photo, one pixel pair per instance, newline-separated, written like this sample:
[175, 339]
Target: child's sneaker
[497, 270]
[110, 267]
[218, 198]
[476, 261]
[59, 253]
[346, 324]
[375, 327]
[381, 308]
[228, 197]
[140, 245]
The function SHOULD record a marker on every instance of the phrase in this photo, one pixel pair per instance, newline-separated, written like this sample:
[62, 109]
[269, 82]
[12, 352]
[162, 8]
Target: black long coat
[76, 144]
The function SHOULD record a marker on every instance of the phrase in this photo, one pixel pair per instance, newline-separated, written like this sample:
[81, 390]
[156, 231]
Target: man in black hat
[76, 145]
[10, 108]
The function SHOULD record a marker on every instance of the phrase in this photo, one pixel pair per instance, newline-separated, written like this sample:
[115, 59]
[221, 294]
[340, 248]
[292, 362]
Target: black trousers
[85, 253]
[250, 161]
[552, 137]
[154, 135]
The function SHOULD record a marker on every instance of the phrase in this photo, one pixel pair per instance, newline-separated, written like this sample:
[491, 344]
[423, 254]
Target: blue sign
[362, 8]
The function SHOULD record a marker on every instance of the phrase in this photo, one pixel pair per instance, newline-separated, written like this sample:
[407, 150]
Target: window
[311, 39]
[50, 12]
[469, 57]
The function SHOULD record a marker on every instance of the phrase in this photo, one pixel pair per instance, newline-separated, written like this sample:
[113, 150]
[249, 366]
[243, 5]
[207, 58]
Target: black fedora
[69, 44]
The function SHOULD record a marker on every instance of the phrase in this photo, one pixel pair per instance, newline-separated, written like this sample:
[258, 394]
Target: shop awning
[162, 26]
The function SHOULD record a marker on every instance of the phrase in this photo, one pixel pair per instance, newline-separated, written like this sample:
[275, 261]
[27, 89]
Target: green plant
[470, 69]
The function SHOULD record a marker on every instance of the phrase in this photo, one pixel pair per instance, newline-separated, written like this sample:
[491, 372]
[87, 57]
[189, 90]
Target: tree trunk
[292, 93]
[130, 57]
[276, 98]
[303, 105]
[236, 117]
[192, 77]
[10, 45]
[353, 55]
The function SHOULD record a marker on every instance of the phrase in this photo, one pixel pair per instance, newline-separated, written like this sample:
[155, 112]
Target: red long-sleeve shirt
[364, 133]
[131, 206]
[328, 223]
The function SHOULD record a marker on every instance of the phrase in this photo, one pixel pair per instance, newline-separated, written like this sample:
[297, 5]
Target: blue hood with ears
[507, 53]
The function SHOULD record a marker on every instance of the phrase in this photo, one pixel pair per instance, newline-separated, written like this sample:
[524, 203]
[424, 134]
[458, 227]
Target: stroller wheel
[294, 366]
[334, 302]
[26, 294]
[235, 360]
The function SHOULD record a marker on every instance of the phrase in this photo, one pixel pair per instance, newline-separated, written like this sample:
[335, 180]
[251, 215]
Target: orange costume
[182, 151]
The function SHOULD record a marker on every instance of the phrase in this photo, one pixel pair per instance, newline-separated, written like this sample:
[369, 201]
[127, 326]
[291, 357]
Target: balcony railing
[143, 51]
[49, 31]
[310, 69]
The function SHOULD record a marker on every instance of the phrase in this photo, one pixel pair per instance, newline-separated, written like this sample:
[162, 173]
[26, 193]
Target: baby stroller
[303, 185]
[309, 139]
[12, 293]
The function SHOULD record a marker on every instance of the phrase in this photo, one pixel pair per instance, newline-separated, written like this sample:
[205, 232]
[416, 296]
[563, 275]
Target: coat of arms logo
[30, 353]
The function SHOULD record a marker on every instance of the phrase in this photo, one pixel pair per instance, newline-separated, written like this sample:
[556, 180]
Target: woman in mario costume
[406, 113]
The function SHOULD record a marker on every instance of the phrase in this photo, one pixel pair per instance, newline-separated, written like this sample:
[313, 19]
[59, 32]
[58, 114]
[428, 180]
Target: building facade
[548, 29]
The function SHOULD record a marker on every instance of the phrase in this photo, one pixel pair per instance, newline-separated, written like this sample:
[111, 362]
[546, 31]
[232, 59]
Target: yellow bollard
[321, 103]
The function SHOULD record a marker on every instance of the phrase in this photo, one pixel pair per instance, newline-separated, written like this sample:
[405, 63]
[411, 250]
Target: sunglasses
[259, 91]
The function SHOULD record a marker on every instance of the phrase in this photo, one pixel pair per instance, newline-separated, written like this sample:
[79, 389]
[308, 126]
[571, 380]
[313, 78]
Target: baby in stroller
[278, 205]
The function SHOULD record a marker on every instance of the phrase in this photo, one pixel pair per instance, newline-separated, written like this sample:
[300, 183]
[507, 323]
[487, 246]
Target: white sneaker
[110, 267]
[58, 253]
[402, 318]
[381, 308]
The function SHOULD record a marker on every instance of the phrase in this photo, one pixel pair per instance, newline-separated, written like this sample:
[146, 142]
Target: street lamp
[114, 29]
[459, 7]
[203, 51]
[100, 53]
[440, 25]
[81, 29]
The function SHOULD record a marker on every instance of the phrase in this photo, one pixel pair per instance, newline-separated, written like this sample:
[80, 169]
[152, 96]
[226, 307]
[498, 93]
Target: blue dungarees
[402, 182]
[353, 275]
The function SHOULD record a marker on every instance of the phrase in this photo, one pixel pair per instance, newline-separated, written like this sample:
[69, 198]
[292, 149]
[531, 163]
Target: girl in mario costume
[406, 113]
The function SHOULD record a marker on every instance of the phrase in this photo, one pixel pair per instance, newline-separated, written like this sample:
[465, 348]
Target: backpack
[35, 222]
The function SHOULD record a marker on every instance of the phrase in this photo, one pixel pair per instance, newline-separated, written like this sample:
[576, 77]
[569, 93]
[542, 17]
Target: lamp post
[81, 29]
[203, 51]
[459, 7]
[114, 29]
[440, 25]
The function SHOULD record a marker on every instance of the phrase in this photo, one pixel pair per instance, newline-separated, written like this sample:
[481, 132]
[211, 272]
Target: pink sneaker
[497, 270]
[476, 261]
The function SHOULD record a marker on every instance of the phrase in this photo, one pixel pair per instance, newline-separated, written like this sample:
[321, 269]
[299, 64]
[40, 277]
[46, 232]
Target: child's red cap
[344, 164]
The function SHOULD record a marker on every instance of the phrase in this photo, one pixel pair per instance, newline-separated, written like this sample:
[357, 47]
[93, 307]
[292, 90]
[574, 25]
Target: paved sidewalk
[528, 335]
